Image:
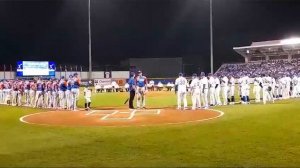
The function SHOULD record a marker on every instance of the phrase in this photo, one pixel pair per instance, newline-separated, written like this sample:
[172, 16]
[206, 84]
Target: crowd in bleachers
[253, 69]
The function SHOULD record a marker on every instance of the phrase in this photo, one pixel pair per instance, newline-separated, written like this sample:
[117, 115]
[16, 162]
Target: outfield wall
[158, 67]
[83, 75]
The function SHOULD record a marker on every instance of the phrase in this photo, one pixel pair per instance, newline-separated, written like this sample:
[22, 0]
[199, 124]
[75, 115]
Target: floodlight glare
[295, 40]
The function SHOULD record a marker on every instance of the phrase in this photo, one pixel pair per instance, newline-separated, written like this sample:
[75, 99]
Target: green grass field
[253, 135]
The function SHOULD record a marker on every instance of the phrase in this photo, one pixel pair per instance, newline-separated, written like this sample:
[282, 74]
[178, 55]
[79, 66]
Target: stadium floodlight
[211, 37]
[294, 40]
[90, 41]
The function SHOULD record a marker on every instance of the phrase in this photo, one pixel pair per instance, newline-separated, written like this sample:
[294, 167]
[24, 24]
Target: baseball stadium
[149, 83]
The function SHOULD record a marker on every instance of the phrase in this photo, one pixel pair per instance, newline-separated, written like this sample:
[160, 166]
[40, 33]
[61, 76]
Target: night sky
[58, 29]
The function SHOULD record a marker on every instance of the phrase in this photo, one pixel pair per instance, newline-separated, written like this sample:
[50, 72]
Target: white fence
[83, 75]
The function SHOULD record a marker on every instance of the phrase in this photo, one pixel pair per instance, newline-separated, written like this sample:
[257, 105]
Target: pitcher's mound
[120, 117]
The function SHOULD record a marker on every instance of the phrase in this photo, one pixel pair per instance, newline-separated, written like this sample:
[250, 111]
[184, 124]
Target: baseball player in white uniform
[1, 92]
[245, 89]
[231, 89]
[217, 91]
[204, 89]
[26, 88]
[267, 89]
[276, 89]
[298, 86]
[32, 93]
[195, 91]
[212, 88]
[87, 92]
[257, 88]
[286, 87]
[181, 84]
[68, 93]
[224, 86]
[294, 86]
[75, 84]
[141, 90]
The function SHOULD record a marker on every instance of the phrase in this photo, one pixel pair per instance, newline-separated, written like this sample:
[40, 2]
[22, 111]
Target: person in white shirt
[282, 86]
[115, 86]
[169, 86]
[288, 87]
[181, 85]
[204, 89]
[195, 91]
[159, 86]
[224, 86]
[217, 91]
[87, 92]
[245, 89]
[150, 85]
[240, 88]
[294, 86]
[257, 88]
[126, 86]
[298, 86]
[267, 89]
[231, 89]
[276, 89]
[212, 89]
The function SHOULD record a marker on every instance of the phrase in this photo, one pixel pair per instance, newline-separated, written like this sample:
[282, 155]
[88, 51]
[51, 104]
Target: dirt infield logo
[122, 114]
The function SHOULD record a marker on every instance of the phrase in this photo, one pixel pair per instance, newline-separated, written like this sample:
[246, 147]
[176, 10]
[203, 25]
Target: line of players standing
[53, 93]
[207, 91]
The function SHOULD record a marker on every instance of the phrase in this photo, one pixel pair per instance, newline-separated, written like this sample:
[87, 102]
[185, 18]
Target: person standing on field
[231, 83]
[87, 92]
[224, 86]
[195, 91]
[257, 88]
[141, 90]
[217, 91]
[212, 89]
[181, 84]
[75, 84]
[267, 89]
[204, 89]
[131, 88]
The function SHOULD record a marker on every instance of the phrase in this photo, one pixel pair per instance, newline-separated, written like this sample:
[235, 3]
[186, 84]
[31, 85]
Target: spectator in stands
[278, 67]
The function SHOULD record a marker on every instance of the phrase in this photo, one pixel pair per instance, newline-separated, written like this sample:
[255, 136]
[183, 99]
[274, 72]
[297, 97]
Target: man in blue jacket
[131, 83]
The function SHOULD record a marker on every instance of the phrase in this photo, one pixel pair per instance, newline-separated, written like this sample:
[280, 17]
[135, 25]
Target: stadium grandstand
[276, 57]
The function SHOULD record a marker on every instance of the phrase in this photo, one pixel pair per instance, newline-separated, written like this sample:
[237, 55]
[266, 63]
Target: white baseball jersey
[232, 81]
[195, 85]
[224, 81]
[211, 82]
[204, 83]
[295, 81]
[182, 84]
[87, 93]
[288, 80]
[257, 81]
[217, 82]
[267, 81]
[245, 81]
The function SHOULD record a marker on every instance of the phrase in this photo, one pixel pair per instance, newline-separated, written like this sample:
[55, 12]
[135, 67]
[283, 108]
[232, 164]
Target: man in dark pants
[131, 83]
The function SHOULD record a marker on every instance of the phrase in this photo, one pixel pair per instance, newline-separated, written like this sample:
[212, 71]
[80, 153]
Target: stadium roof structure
[268, 50]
